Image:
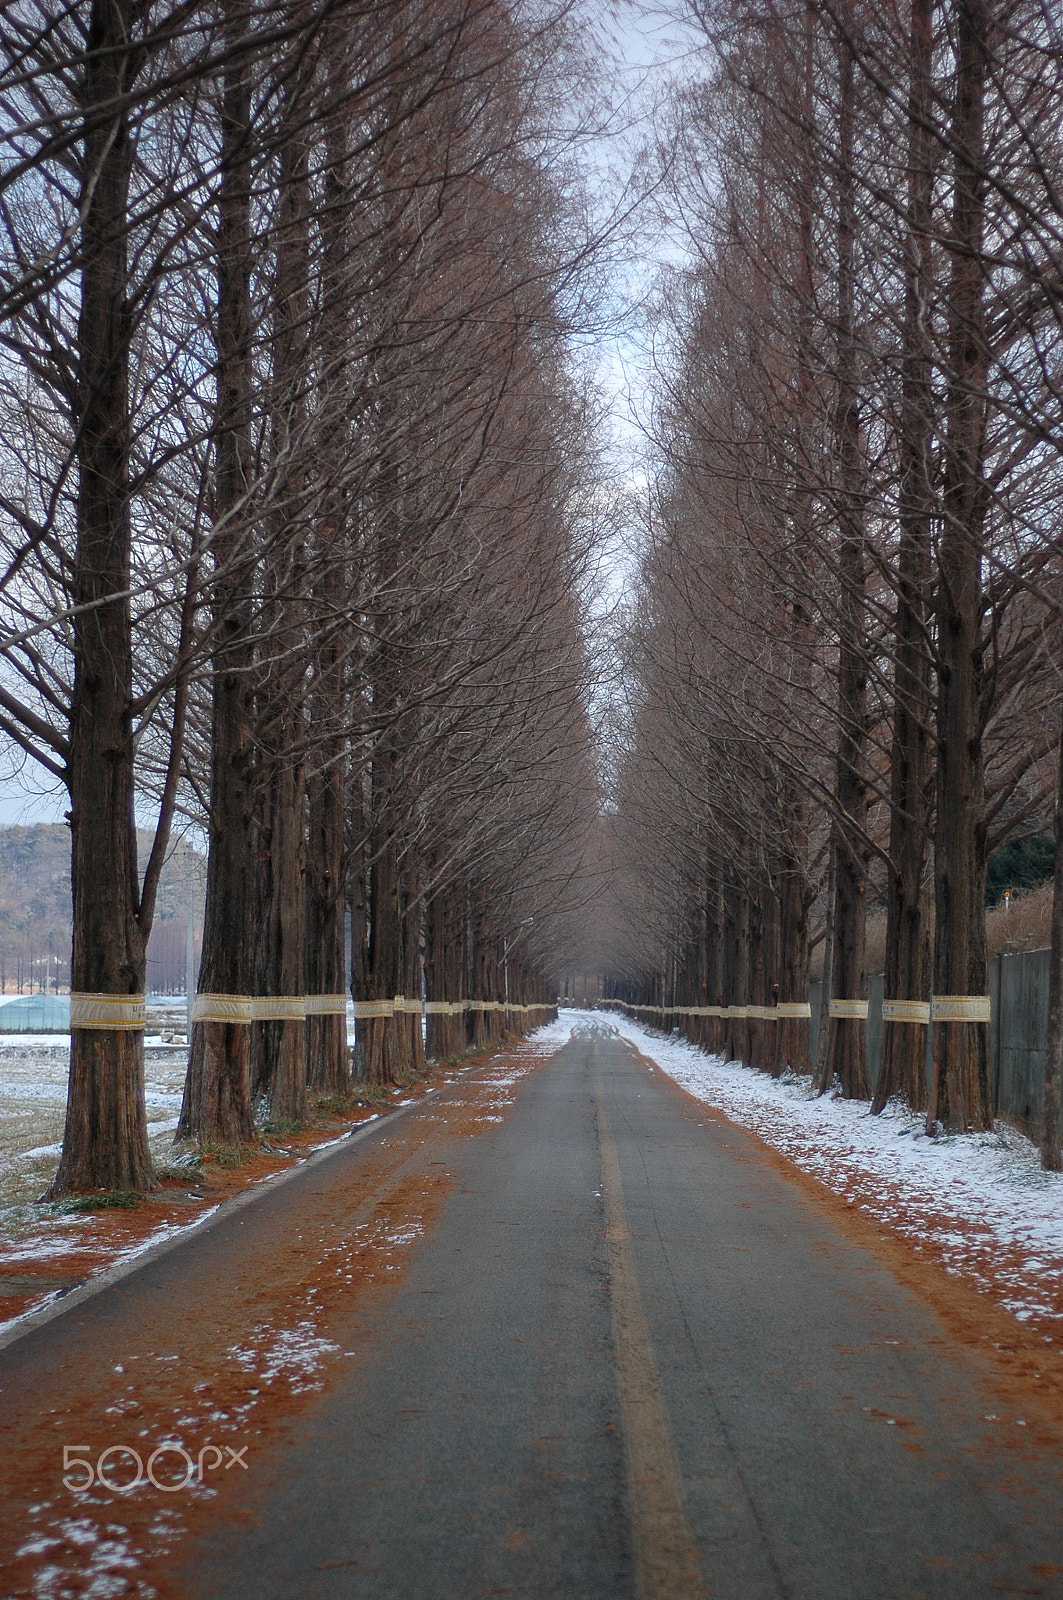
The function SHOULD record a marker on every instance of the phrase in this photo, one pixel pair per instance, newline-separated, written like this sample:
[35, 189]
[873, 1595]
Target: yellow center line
[666, 1562]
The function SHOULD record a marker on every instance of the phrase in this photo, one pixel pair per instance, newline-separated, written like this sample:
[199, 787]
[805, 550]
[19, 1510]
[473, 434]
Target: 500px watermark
[169, 1466]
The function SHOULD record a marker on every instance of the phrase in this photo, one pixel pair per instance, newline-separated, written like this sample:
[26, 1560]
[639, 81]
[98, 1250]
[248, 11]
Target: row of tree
[844, 663]
[296, 498]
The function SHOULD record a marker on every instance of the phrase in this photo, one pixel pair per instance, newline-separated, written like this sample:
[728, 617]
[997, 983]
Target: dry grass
[1025, 925]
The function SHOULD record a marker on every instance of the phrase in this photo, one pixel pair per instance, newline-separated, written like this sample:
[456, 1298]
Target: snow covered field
[33, 1077]
[977, 1202]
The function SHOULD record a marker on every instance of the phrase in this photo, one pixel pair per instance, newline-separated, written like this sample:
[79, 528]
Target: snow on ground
[979, 1202]
[548, 1039]
[33, 1080]
[294, 1353]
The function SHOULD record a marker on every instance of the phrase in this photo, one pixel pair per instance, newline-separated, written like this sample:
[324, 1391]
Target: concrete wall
[1018, 992]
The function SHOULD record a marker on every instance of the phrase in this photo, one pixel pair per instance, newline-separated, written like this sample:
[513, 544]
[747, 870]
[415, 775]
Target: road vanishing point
[565, 1335]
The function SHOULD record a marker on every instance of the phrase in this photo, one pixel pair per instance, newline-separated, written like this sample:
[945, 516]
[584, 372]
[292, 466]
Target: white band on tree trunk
[278, 1008]
[762, 1013]
[222, 1008]
[741, 1012]
[113, 1012]
[854, 1010]
[326, 1005]
[960, 1008]
[798, 1010]
[906, 1011]
[374, 1008]
[101, 1011]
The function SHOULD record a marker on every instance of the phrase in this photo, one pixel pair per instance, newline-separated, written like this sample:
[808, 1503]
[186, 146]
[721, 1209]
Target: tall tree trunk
[328, 1066]
[409, 1044]
[1051, 1121]
[770, 986]
[907, 976]
[794, 1046]
[281, 942]
[435, 976]
[281, 1038]
[385, 965]
[822, 1076]
[714, 978]
[960, 1093]
[358, 880]
[415, 919]
[217, 1097]
[848, 1036]
[759, 942]
[736, 1043]
[478, 968]
[451, 986]
[794, 1033]
[105, 1140]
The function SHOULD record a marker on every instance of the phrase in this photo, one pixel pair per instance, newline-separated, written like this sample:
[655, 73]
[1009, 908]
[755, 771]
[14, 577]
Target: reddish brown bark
[105, 1140]
[217, 1097]
[960, 1093]
[1051, 1120]
[848, 1037]
[902, 1071]
[279, 1045]
[328, 1058]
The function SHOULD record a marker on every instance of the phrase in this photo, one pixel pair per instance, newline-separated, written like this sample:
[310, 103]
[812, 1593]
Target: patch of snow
[294, 1353]
[167, 1231]
[17, 1089]
[44, 1248]
[103, 1559]
[550, 1038]
[405, 1234]
[36, 1041]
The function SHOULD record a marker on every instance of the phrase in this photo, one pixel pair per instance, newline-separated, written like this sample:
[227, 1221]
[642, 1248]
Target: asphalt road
[631, 1360]
[627, 1358]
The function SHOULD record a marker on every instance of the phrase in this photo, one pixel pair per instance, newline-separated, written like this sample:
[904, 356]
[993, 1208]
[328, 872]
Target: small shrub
[330, 1105]
[228, 1155]
[369, 1094]
[105, 1200]
[180, 1172]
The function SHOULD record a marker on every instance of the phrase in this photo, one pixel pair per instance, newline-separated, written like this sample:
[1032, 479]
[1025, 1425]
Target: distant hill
[35, 911]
